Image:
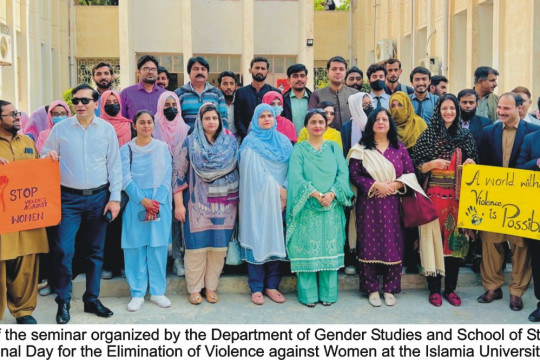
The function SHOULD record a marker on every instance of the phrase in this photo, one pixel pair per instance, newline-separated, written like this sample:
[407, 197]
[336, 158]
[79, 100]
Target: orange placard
[29, 195]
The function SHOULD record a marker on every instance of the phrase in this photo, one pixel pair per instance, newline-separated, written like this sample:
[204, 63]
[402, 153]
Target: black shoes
[535, 315]
[490, 295]
[26, 320]
[62, 315]
[97, 308]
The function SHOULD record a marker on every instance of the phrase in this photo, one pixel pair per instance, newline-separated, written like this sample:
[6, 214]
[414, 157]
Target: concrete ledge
[237, 283]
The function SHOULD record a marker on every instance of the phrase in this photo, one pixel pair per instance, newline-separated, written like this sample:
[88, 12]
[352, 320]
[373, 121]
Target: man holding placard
[499, 146]
[529, 159]
[19, 262]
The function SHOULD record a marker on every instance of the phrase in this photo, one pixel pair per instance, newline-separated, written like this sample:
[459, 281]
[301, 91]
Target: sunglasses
[85, 101]
[316, 111]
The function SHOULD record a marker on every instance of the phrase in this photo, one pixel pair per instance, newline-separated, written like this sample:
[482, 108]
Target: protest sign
[500, 200]
[29, 195]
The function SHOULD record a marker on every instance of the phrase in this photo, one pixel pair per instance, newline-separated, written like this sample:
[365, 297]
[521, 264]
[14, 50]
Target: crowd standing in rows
[310, 180]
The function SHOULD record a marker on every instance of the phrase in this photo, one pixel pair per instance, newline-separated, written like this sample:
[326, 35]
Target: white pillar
[128, 63]
[248, 39]
[187, 39]
[306, 27]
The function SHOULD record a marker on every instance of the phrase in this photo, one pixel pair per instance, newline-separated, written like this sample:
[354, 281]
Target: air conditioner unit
[385, 50]
[433, 64]
[5, 50]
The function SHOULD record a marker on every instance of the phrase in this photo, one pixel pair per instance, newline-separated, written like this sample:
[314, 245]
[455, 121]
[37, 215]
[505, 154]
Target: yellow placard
[29, 195]
[500, 200]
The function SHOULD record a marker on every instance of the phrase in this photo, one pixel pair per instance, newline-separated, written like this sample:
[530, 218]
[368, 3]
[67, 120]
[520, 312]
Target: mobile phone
[108, 216]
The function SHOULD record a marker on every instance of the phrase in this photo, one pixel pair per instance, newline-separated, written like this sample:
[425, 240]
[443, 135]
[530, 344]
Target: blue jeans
[264, 276]
[84, 214]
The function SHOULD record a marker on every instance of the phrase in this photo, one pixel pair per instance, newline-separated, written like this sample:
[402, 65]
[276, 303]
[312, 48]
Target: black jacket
[287, 111]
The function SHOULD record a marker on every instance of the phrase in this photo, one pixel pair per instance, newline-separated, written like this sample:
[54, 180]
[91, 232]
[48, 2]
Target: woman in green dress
[318, 190]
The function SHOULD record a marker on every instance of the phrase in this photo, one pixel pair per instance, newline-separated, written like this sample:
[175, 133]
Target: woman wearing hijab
[146, 230]
[111, 111]
[376, 166]
[170, 127]
[37, 123]
[438, 154]
[409, 127]
[351, 131]
[330, 134]
[58, 111]
[284, 125]
[264, 159]
[205, 186]
[318, 190]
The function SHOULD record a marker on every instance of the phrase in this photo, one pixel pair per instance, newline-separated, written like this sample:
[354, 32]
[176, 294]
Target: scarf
[437, 143]
[155, 157]
[284, 125]
[409, 125]
[122, 126]
[43, 135]
[381, 169]
[215, 163]
[270, 144]
[358, 116]
[172, 132]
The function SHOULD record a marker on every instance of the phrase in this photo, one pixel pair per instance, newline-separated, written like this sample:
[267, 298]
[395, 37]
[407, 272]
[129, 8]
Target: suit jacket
[490, 148]
[530, 152]
[477, 125]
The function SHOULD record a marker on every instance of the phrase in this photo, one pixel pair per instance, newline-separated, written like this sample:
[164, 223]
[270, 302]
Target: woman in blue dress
[264, 159]
[146, 225]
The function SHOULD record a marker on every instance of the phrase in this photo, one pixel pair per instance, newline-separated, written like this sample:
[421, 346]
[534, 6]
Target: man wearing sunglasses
[91, 181]
[18, 250]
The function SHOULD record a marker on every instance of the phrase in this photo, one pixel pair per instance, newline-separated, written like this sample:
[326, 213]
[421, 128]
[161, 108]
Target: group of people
[315, 179]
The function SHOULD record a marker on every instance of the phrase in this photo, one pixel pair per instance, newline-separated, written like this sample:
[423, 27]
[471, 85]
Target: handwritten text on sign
[29, 195]
[500, 200]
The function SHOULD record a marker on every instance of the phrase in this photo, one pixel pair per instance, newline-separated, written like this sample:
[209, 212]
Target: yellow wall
[96, 31]
[331, 35]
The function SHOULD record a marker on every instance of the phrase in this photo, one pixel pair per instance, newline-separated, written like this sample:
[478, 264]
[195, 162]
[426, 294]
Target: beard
[259, 77]
[149, 81]
[104, 86]
[355, 86]
[229, 97]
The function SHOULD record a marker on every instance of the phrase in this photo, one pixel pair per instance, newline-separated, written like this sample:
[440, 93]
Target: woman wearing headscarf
[37, 123]
[318, 190]
[330, 134]
[58, 111]
[438, 155]
[351, 131]
[264, 159]
[111, 111]
[146, 230]
[284, 125]
[170, 127]
[205, 186]
[409, 127]
[376, 166]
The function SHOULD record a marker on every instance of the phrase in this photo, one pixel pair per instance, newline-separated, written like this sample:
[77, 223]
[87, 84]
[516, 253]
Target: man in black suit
[468, 100]
[500, 146]
[529, 159]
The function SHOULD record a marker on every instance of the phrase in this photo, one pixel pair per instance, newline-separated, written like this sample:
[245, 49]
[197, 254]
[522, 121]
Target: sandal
[310, 305]
[211, 296]
[325, 303]
[257, 298]
[275, 295]
[195, 298]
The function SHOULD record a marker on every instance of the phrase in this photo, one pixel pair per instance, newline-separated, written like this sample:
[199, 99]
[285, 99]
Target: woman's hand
[383, 189]
[283, 197]
[180, 213]
[469, 161]
[439, 164]
[326, 199]
[151, 206]
[150, 216]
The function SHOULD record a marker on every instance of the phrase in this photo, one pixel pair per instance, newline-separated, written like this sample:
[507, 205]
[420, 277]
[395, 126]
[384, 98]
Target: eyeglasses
[14, 114]
[316, 111]
[146, 69]
[85, 101]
